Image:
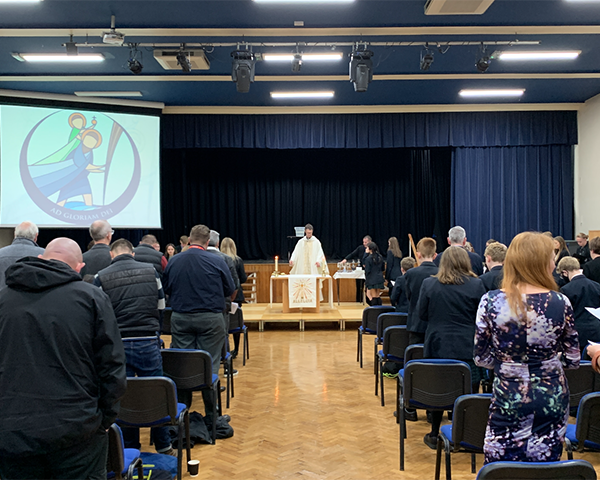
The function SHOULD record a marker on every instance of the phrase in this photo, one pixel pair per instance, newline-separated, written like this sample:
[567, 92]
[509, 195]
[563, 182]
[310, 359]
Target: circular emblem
[91, 173]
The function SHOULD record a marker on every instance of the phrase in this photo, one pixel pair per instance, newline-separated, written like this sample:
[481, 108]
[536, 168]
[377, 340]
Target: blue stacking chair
[369, 327]
[236, 325]
[565, 470]
[395, 341]
[412, 352]
[431, 384]
[467, 431]
[227, 362]
[385, 320]
[585, 434]
[152, 402]
[122, 462]
[191, 370]
[582, 380]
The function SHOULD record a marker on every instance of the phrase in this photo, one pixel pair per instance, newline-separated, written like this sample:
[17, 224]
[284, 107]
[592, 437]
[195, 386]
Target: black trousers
[86, 459]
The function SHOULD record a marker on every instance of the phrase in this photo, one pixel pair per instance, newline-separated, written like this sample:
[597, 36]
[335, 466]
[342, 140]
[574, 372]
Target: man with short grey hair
[457, 237]
[24, 245]
[98, 257]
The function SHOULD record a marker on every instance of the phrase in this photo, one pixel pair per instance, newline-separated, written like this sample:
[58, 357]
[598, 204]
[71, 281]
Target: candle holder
[276, 273]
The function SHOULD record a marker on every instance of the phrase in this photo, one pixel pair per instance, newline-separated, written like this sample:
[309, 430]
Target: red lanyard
[197, 246]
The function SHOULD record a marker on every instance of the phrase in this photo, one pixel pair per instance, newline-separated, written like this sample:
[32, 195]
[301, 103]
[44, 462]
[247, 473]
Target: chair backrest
[395, 341]
[187, 368]
[413, 352]
[470, 420]
[567, 469]
[435, 383]
[588, 419]
[115, 462]
[582, 381]
[236, 320]
[385, 320]
[147, 400]
[370, 314]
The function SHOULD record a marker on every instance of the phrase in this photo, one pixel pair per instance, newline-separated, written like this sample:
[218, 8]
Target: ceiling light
[242, 69]
[297, 63]
[304, 1]
[302, 94]
[20, 1]
[59, 57]
[517, 92]
[109, 94]
[288, 57]
[361, 69]
[558, 55]
[426, 59]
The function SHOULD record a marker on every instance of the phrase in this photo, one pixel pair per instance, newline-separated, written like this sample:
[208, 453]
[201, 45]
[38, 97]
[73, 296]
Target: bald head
[65, 250]
[101, 232]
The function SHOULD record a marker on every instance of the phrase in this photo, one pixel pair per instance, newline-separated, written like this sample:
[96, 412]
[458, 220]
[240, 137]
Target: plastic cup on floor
[193, 467]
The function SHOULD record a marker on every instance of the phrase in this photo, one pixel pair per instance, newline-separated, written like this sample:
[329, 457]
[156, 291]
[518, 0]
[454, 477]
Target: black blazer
[583, 292]
[592, 270]
[491, 280]
[449, 312]
[373, 271]
[358, 253]
[392, 266]
[398, 295]
[414, 279]
[583, 254]
[476, 261]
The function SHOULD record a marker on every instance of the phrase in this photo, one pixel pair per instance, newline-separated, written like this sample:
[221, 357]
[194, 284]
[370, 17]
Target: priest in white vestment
[308, 257]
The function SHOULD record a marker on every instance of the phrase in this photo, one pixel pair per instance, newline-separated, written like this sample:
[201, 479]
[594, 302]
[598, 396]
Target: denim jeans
[144, 360]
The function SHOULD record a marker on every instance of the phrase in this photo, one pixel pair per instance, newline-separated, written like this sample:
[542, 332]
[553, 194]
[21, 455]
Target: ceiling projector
[113, 38]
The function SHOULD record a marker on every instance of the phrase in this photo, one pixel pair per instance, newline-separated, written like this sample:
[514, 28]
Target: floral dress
[530, 404]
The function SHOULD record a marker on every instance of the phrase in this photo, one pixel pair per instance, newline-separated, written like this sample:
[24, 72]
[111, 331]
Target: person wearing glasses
[98, 257]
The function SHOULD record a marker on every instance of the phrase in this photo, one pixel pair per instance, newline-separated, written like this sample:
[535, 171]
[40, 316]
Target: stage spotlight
[242, 69]
[183, 61]
[297, 63]
[133, 63]
[426, 59]
[484, 61]
[361, 69]
[483, 64]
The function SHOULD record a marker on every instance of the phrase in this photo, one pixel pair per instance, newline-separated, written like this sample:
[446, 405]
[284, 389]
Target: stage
[262, 313]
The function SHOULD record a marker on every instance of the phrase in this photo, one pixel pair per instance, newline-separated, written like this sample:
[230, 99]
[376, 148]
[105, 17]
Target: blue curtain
[499, 192]
[409, 130]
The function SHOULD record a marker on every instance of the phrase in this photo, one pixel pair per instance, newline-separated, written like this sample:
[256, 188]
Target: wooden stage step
[262, 313]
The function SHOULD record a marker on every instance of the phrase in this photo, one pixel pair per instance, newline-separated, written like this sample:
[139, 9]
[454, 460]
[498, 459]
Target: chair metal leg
[398, 399]
[179, 449]
[246, 347]
[380, 368]
[402, 435]
[448, 459]
[218, 396]
[376, 377]
[231, 371]
[358, 347]
[228, 376]
[473, 463]
[569, 449]
[438, 457]
[375, 355]
[214, 422]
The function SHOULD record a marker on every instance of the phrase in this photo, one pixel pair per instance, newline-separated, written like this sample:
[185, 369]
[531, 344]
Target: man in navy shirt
[198, 282]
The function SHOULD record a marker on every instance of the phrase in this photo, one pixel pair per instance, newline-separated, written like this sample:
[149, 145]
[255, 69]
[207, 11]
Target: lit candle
[276, 264]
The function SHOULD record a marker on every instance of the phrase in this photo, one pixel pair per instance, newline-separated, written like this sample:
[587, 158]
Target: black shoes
[409, 415]
[430, 441]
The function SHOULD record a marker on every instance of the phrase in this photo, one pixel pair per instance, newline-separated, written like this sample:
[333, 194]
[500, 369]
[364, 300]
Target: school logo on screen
[80, 167]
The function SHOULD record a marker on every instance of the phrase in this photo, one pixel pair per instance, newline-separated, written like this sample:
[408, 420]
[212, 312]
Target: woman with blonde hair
[394, 256]
[526, 333]
[583, 249]
[448, 303]
[228, 248]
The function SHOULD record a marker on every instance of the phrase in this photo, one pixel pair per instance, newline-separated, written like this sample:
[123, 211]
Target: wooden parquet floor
[305, 410]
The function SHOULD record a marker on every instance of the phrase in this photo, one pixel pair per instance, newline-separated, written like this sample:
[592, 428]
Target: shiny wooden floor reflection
[304, 409]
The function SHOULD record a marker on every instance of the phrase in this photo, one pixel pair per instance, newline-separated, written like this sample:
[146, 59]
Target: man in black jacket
[98, 257]
[457, 237]
[495, 253]
[63, 368]
[359, 253]
[398, 296]
[591, 269]
[145, 252]
[136, 293]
